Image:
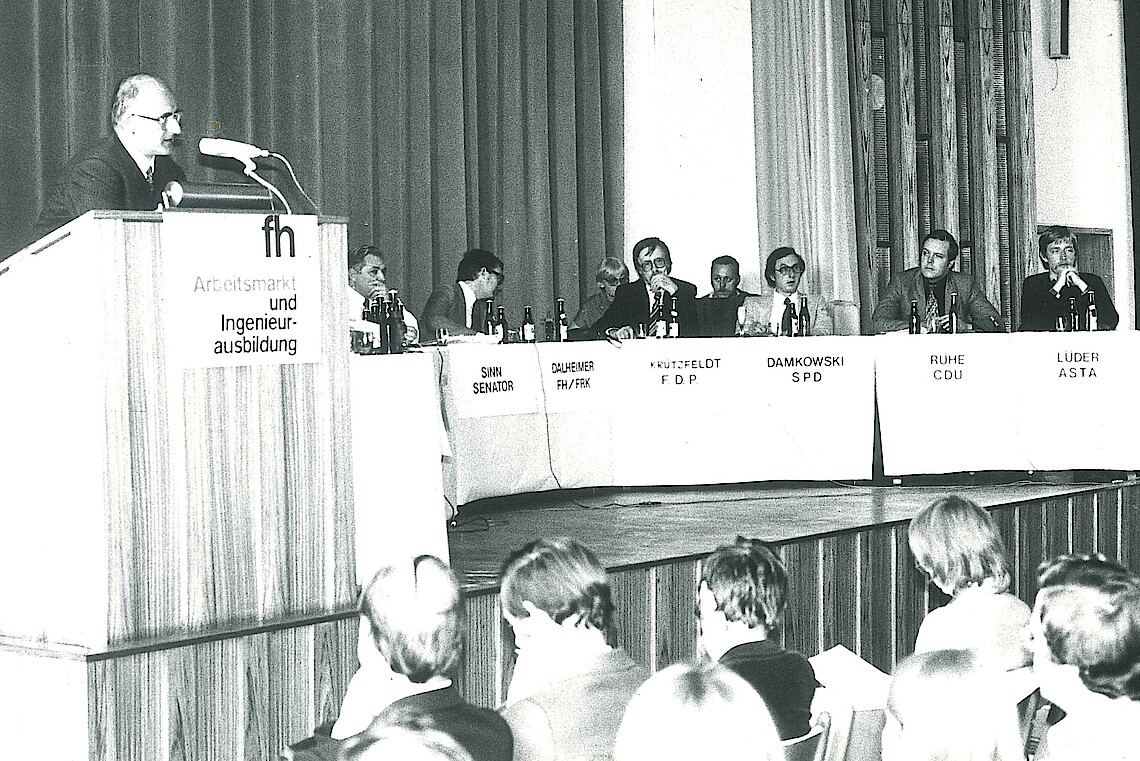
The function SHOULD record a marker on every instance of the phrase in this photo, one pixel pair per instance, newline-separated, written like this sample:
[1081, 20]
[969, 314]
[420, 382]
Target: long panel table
[525, 418]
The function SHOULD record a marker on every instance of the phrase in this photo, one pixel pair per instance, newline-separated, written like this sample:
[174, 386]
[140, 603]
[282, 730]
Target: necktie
[932, 312]
[150, 177]
[789, 316]
[656, 312]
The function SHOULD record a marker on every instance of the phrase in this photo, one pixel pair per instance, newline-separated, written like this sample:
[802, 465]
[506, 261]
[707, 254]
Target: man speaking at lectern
[129, 169]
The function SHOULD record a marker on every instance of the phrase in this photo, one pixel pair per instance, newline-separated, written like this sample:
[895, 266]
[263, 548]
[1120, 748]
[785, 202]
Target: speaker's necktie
[150, 177]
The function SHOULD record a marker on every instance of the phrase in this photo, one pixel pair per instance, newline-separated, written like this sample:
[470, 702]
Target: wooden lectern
[177, 556]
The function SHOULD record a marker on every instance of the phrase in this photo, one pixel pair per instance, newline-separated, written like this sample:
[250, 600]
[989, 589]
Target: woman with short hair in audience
[946, 705]
[690, 712]
[957, 544]
[1085, 638]
[610, 274]
[569, 687]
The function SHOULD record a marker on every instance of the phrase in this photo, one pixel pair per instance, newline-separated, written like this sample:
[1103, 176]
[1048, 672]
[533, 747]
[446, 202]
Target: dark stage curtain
[433, 125]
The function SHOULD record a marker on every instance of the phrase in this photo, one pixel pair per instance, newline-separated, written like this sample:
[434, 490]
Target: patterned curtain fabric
[803, 139]
[433, 126]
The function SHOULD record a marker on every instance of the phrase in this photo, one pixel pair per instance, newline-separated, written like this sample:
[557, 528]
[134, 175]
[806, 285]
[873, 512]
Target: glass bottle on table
[1073, 323]
[384, 333]
[562, 327]
[489, 326]
[915, 324]
[501, 322]
[673, 328]
[1091, 322]
[399, 326]
[953, 326]
[805, 320]
[528, 325]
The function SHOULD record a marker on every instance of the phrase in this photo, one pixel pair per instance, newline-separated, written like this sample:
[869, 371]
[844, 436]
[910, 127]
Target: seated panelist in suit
[610, 275]
[127, 170]
[768, 314]
[931, 284]
[1045, 296]
[633, 302]
[717, 313]
[459, 308]
[367, 280]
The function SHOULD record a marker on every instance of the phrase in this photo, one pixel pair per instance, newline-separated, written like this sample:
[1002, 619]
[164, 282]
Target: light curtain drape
[433, 125]
[803, 139]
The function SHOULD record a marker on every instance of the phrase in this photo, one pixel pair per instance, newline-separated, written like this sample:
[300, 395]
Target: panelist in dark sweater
[1045, 296]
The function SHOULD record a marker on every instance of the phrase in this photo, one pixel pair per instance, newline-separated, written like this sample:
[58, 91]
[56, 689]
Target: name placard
[241, 289]
[493, 380]
[578, 376]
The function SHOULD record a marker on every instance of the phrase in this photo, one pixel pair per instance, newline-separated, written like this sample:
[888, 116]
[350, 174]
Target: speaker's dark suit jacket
[1040, 308]
[105, 177]
[631, 306]
[446, 308]
[893, 310]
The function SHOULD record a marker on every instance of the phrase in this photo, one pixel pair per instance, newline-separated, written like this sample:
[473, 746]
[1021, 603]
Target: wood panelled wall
[942, 135]
[856, 588]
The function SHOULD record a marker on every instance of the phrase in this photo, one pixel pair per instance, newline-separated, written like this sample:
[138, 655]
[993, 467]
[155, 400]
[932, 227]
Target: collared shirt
[145, 163]
[468, 300]
[777, 316]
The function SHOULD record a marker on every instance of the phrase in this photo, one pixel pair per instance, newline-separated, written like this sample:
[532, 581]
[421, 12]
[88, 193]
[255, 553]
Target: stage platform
[852, 579]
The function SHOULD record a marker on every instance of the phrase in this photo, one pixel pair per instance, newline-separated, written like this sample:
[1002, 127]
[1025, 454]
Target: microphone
[230, 149]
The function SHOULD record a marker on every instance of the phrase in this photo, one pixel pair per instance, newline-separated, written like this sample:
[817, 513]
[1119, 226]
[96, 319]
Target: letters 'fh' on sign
[241, 289]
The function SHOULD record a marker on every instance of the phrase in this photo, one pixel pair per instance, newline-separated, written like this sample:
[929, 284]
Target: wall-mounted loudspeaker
[1057, 28]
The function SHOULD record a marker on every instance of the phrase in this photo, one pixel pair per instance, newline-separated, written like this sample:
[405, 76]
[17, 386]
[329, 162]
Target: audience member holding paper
[742, 594]
[948, 704]
[957, 544]
[687, 712]
[569, 688]
[1085, 638]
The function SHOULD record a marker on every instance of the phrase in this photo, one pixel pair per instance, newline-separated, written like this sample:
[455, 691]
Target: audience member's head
[957, 544]
[408, 737]
[743, 591]
[145, 116]
[611, 273]
[367, 273]
[724, 276]
[558, 579]
[651, 257]
[483, 271]
[784, 270]
[1057, 246]
[939, 250]
[414, 616]
[1086, 625]
[690, 712]
[945, 704]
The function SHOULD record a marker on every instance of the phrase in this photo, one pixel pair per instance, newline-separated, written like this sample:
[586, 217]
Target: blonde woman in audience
[1085, 638]
[691, 712]
[569, 687]
[957, 545]
[946, 705]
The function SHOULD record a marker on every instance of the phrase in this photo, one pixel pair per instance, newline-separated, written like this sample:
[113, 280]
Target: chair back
[809, 747]
[844, 317]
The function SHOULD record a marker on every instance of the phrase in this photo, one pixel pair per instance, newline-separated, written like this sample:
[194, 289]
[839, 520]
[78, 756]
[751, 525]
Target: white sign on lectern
[241, 289]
